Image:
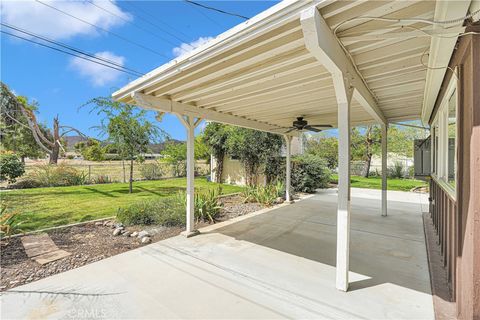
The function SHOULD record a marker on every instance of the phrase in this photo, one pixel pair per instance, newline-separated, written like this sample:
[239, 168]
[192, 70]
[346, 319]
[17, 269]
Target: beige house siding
[234, 173]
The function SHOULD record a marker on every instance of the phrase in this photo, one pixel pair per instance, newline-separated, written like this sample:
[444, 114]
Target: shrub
[207, 205]
[152, 171]
[26, 183]
[102, 179]
[266, 195]
[164, 211]
[10, 167]
[396, 171]
[309, 173]
[9, 222]
[57, 175]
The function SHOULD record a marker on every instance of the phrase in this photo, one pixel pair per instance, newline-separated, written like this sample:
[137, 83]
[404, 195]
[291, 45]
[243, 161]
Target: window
[444, 133]
[452, 138]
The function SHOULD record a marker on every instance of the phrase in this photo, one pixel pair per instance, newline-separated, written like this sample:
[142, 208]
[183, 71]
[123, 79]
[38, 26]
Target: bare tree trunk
[124, 176]
[56, 142]
[130, 182]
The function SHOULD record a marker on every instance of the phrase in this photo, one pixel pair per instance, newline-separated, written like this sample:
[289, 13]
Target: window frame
[440, 124]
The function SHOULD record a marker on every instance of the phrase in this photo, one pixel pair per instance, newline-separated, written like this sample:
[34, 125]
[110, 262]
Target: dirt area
[91, 242]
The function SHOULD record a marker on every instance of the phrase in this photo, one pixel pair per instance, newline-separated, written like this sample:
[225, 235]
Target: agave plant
[207, 205]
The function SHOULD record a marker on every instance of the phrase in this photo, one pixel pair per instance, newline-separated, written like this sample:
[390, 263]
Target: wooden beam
[321, 42]
[167, 105]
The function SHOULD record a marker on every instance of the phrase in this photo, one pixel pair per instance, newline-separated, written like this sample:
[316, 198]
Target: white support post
[343, 92]
[190, 124]
[384, 169]
[288, 144]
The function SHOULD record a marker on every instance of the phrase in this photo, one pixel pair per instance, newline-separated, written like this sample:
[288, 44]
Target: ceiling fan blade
[290, 130]
[310, 128]
[320, 125]
[282, 129]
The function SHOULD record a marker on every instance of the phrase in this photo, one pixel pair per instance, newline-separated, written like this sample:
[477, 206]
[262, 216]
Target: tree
[325, 148]
[18, 109]
[215, 136]
[176, 154]
[252, 148]
[127, 128]
[91, 150]
[10, 167]
[365, 144]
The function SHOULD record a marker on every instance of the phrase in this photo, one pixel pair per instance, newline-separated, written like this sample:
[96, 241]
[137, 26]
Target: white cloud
[97, 74]
[40, 19]
[187, 47]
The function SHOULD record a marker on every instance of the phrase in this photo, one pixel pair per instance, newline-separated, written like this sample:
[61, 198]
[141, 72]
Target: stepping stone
[42, 249]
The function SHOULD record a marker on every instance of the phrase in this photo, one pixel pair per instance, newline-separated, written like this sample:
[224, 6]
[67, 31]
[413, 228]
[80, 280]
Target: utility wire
[133, 24]
[69, 53]
[217, 10]
[66, 46]
[206, 15]
[131, 5]
[105, 30]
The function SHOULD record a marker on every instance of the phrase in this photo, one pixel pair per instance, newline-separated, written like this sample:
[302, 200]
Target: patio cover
[341, 63]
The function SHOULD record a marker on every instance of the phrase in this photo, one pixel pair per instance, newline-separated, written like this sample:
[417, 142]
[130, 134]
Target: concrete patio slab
[279, 264]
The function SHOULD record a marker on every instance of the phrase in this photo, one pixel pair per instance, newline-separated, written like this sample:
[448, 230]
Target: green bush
[10, 167]
[164, 211]
[57, 175]
[309, 173]
[396, 171]
[266, 195]
[152, 171]
[170, 211]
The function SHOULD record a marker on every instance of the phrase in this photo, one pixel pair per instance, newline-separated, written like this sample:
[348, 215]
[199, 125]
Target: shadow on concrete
[385, 249]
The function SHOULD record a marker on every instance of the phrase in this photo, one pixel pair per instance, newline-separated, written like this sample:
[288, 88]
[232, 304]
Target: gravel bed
[86, 243]
[235, 207]
[92, 242]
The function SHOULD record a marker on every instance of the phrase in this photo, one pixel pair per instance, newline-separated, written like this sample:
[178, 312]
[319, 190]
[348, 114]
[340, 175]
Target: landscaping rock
[134, 234]
[99, 223]
[119, 225]
[127, 233]
[117, 231]
[279, 200]
[146, 239]
[142, 234]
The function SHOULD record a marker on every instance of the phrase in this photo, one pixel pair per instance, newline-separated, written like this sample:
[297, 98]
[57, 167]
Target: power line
[205, 15]
[105, 30]
[66, 46]
[217, 10]
[133, 24]
[66, 52]
[131, 5]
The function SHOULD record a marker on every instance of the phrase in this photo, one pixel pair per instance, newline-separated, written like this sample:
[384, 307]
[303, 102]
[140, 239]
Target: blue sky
[61, 83]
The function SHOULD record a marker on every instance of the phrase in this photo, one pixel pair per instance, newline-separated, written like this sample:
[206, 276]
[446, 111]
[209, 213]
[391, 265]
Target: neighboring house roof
[266, 71]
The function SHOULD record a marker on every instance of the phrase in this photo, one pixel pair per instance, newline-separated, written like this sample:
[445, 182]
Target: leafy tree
[252, 148]
[127, 128]
[325, 148]
[91, 150]
[215, 136]
[19, 109]
[176, 154]
[10, 167]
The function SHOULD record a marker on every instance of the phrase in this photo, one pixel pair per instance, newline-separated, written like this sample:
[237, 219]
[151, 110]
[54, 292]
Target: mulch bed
[88, 243]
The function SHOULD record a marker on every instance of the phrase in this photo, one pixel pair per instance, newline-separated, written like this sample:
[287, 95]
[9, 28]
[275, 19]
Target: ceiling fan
[301, 124]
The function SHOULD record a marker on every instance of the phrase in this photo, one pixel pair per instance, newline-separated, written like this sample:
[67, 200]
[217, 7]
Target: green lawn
[49, 207]
[376, 183]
